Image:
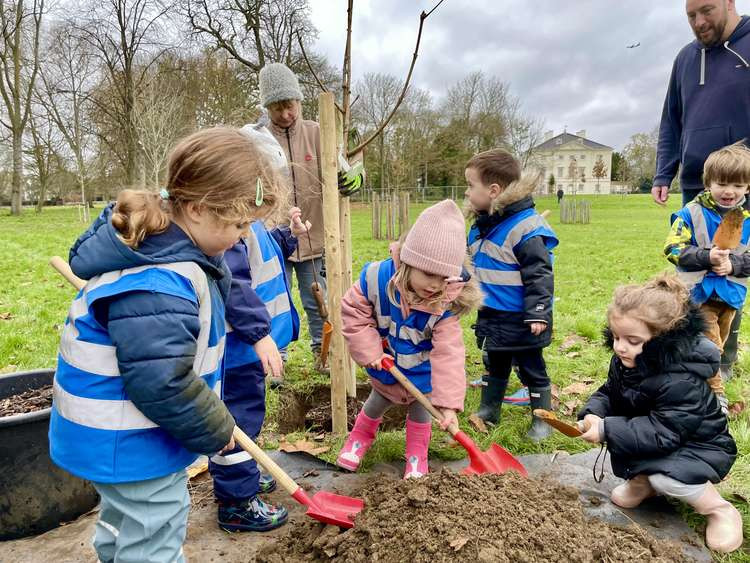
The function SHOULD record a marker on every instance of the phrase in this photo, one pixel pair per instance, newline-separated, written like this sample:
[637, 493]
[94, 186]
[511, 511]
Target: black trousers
[531, 367]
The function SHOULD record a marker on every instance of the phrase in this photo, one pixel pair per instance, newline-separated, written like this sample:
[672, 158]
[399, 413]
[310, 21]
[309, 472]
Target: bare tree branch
[384, 124]
[312, 71]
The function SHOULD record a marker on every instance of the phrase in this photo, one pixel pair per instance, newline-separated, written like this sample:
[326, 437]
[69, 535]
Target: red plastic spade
[495, 460]
[324, 506]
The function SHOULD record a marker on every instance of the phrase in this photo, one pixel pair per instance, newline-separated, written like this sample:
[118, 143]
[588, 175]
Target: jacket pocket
[697, 144]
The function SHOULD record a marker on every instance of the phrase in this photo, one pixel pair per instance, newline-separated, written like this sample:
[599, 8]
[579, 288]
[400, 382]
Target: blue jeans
[305, 279]
[143, 521]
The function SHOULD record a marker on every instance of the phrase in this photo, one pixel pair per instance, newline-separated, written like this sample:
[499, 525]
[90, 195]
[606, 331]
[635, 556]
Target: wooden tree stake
[329, 166]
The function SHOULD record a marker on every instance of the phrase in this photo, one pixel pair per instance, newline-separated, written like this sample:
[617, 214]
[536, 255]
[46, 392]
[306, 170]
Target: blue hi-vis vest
[495, 262]
[97, 433]
[409, 339]
[270, 283]
[703, 223]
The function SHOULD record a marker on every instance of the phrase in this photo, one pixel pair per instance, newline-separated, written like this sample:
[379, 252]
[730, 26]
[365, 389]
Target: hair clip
[163, 193]
[258, 192]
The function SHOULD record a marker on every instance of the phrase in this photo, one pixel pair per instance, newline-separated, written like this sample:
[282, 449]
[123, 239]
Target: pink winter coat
[447, 357]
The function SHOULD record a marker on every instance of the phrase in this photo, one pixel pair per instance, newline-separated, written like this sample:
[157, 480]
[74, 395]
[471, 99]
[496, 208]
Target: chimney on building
[581, 133]
[548, 135]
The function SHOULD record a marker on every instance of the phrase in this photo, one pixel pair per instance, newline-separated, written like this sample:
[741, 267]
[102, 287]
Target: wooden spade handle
[64, 269]
[264, 460]
[417, 394]
[320, 301]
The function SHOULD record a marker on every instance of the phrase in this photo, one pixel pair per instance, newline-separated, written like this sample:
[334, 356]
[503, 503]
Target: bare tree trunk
[16, 197]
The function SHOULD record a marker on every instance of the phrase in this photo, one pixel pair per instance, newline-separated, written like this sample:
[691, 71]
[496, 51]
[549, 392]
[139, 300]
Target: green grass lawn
[622, 244]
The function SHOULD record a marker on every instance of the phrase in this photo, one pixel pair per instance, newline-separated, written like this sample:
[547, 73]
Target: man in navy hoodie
[707, 107]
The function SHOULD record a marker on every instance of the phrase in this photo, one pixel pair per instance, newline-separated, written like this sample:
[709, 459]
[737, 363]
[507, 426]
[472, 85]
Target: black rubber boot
[492, 398]
[540, 398]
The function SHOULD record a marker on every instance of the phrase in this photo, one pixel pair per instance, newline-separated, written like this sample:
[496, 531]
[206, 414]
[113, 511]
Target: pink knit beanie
[437, 241]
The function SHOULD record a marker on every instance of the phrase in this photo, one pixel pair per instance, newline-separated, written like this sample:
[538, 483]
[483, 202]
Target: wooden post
[375, 215]
[334, 276]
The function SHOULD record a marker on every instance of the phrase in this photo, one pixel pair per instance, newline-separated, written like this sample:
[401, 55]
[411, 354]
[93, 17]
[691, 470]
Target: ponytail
[138, 214]
[661, 303]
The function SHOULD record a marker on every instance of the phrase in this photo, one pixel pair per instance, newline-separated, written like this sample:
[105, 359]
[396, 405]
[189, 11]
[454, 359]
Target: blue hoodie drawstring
[728, 48]
[736, 54]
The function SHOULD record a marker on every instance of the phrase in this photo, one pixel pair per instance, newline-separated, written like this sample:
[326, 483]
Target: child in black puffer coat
[662, 423]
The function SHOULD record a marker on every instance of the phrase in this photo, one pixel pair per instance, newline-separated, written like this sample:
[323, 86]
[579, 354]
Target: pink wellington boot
[359, 441]
[417, 443]
[632, 492]
[724, 527]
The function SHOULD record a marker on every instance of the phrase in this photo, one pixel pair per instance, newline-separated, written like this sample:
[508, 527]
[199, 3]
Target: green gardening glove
[350, 181]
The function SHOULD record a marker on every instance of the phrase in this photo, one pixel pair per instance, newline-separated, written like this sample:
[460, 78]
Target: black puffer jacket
[661, 416]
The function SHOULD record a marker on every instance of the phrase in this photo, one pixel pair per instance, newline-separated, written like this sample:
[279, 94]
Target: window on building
[558, 141]
[560, 171]
[559, 157]
[583, 156]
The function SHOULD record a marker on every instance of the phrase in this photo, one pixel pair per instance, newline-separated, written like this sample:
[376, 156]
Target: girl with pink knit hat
[407, 308]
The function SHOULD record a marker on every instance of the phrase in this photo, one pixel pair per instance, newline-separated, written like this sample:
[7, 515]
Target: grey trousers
[305, 279]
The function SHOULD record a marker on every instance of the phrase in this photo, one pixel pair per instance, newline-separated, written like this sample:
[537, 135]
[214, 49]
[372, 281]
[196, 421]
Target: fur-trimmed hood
[514, 192]
[683, 348]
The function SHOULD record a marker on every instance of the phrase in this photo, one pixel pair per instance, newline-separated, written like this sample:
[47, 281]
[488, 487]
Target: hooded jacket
[514, 228]
[707, 106]
[444, 370]
[661, 416]
[140, 358]
[301, 145]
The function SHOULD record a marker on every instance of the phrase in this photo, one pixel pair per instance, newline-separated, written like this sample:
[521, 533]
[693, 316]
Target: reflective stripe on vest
[268, 280]
[703, 283]
[409, 339]
[96, 432]
[702, 238]
[495, 262]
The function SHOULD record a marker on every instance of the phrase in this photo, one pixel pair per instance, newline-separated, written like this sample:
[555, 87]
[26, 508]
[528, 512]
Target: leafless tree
[20, 24]
[44, 151]
[128, 38]
[160, 119]
[68, 74]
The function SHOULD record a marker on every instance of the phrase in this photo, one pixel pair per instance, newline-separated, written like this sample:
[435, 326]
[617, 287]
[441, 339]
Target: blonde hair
[468, 300]
[728, 165]
[661, 303]
[216, 169]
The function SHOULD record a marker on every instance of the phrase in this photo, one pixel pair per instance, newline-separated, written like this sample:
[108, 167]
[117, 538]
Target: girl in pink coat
[407, 308]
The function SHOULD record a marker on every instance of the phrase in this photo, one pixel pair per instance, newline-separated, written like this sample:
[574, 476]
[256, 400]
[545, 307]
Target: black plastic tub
[35, 494]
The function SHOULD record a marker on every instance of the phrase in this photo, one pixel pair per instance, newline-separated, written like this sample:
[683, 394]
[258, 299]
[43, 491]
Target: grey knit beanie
[277, 83]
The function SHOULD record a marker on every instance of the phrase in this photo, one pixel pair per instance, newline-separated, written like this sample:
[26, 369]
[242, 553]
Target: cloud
[567, 62]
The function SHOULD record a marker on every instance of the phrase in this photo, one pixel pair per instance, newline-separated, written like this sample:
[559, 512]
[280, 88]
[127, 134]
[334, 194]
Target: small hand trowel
[729, 232]
[564, 427]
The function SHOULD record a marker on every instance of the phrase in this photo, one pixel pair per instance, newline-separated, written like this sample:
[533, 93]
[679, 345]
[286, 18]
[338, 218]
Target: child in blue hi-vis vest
[408, 307]
[511, 248]
[262, 319]
[141, 355]
[717, 278]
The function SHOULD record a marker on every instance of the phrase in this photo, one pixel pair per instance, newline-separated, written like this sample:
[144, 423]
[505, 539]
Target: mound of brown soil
[485, 519]
[28, 401]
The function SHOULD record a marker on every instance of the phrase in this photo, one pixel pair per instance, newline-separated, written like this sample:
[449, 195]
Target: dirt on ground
[28, 401]
[486, 519]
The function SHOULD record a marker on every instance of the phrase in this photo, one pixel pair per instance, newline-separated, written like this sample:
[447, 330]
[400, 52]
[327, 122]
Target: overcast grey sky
[568, 62]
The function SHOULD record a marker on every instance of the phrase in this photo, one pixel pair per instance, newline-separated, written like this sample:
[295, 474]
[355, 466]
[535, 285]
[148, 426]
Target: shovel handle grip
[261, 457]
[64, 269]
[320, 301]
[388, 365]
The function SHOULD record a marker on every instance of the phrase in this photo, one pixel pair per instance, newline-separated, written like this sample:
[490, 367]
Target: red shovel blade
[495, 460]
[330, 508]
